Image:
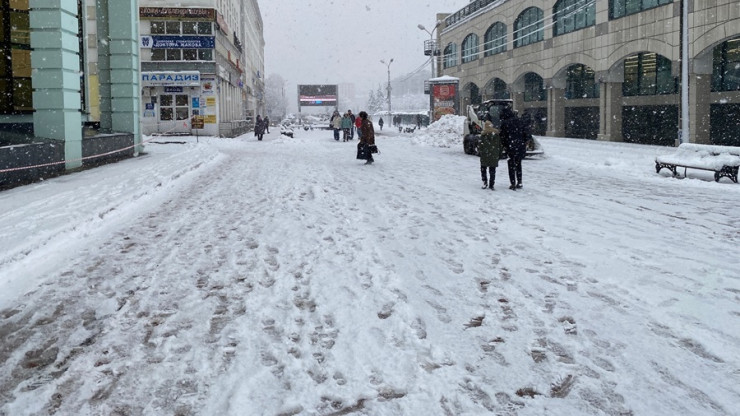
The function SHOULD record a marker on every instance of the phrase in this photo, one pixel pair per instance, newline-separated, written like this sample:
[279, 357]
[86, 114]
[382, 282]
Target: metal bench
[722, 160]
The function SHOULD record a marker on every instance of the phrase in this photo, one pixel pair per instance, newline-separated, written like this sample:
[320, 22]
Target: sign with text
[444, 100]
[170, 78]
[317, 95]
[177, 13]
[178, 42]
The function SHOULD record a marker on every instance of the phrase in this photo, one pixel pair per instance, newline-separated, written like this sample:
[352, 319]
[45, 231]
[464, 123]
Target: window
[496, 89]
[16, 93]
[172, 28]
[495, 39]
[470, 48]
[648, 74]
[157, 28]
[534, 87]
[726, 63]
[450, 58]
[621, 8]
[572, 15]
[205, 28]
[528, 27]
[174, 54]
[580, 83]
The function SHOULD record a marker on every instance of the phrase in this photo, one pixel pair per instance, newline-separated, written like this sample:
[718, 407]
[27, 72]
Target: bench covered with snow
[722, 160]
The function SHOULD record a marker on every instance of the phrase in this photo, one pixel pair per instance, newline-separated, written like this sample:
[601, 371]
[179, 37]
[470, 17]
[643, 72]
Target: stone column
[106, 116]
[556, 112]
[56, 81]
[119, 66]
[610, 106]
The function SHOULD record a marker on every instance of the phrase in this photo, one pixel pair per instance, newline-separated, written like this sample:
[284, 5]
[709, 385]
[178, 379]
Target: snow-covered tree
[276, 106]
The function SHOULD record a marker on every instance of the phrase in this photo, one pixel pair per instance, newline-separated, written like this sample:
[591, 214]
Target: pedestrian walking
[358, 125]
[259, 128]
[367, 138]
[346, 126]
[489, 150]
[514, 138]
[336, 124]
[267, 124]
[380, 123]
[352, 128]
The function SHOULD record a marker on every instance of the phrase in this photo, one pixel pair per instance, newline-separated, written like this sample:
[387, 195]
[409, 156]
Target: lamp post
[382, 61]
[432, 43]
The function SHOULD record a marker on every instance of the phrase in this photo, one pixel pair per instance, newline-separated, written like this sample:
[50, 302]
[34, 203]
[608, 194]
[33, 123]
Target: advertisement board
[444, 99]
[317, 95]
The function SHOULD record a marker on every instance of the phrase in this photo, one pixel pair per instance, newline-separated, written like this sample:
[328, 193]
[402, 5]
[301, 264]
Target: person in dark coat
[259, 128]
[489, 150]
[514, 139]
[380, 123]
[367, 136]
[267, 124]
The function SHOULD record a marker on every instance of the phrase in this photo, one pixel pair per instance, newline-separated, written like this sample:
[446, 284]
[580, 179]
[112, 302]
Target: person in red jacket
[358, 125]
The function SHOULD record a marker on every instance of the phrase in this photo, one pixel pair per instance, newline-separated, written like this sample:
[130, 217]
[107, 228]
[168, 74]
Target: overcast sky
[332, 42]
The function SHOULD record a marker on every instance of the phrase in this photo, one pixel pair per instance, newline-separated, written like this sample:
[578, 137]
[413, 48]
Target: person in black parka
[259, 128]
[514, 136]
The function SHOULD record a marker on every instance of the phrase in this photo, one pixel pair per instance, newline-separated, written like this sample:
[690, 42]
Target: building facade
[202, 66]
[601, 69]
[68, 85]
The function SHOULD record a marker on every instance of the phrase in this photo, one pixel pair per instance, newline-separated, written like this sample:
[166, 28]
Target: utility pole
[382, 61]
[432, 48]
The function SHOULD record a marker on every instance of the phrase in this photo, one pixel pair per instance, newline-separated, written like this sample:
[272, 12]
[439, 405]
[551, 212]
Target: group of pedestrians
[511, 138]
[261, 126]
[346, 124]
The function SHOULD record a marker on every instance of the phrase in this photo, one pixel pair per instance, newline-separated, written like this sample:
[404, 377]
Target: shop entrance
[174, 113]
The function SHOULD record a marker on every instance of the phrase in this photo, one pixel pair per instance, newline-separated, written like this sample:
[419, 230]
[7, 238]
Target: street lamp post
[432, 43]
[382, 61]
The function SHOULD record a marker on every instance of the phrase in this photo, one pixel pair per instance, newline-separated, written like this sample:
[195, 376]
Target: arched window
[648, 74]
[470, 48]
[496, 89]
[495, 39]
[580, 83]
[534, 87]
[620, 8]
[572, 15]
[450, 58]
[726, 62]
[529, 27]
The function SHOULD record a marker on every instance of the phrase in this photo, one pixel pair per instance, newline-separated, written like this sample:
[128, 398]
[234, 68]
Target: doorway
[174, 113]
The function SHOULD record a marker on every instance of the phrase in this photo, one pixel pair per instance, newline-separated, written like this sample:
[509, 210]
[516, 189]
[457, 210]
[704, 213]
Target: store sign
[169, 79]
[177, 13]
[178, 42]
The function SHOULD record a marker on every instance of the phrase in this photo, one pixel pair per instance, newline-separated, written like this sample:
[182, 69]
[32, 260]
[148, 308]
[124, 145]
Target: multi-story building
[606, 69]
[202, 66]
[68, 72]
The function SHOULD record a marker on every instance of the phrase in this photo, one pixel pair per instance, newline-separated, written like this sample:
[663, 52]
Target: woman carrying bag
[367, 140]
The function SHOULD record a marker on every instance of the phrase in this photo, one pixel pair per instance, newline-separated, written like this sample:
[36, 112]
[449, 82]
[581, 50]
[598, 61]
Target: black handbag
[363, 151]
[373, 148]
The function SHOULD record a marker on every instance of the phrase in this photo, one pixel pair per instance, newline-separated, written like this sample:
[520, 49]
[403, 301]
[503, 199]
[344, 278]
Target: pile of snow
[445, 132]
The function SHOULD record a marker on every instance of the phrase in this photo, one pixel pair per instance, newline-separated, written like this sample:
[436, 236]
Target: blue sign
[179, 42]
[173, 89]
[196, 102]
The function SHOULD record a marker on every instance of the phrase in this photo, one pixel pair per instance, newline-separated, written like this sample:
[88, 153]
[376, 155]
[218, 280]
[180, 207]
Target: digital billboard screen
[317, 95]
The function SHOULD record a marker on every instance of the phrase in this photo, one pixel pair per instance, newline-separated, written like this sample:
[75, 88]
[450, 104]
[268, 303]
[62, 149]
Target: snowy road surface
[283, 277]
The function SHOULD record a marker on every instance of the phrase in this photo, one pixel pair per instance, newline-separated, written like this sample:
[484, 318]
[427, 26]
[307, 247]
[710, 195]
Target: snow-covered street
[284, 277]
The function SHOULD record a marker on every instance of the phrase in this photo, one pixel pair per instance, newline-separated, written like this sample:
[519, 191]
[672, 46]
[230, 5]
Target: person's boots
[485, 185]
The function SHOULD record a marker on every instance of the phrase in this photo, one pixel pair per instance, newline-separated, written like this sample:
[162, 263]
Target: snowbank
[445, 132]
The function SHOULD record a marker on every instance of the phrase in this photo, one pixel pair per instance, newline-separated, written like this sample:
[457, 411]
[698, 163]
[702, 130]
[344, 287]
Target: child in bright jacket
[489, 150]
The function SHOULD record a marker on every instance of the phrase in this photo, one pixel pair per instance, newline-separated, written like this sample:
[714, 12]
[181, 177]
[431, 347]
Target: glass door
[174, 111]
